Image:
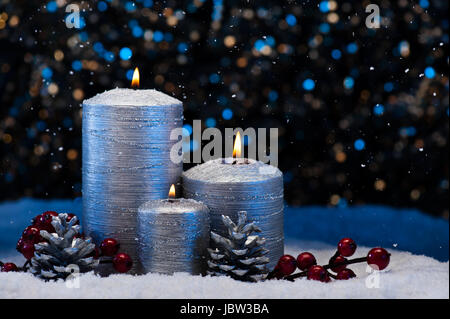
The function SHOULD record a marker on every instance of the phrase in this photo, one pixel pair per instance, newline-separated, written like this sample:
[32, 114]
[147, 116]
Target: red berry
[109, 247]
[286, 265]
[378, 258]
[19, 244]
[345, 274]
[35, 219]
[122, 262]
[32, 233]
[319, 273]
[346, 247]
[305, 261]
[7, 267]
[337, 260]
[44, 222]
[27, 249]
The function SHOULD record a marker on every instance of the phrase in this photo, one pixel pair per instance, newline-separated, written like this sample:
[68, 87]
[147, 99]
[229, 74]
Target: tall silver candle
[173, 236]
[227, 186]
[126, 160]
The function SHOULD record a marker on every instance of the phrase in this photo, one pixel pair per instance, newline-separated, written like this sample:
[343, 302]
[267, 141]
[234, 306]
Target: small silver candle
[230, 185]
[173, 235]
[126, 160]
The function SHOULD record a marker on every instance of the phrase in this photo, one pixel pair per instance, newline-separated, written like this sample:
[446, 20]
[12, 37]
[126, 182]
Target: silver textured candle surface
[227, 188]
[126, 160]
[173, 236]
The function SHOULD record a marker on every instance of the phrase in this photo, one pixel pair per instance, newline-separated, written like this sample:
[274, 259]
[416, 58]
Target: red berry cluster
[121, 261]
[378, 258]
[31, 235]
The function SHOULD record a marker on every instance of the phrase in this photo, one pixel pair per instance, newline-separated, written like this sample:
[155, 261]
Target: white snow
[408, 276]
[130, 97]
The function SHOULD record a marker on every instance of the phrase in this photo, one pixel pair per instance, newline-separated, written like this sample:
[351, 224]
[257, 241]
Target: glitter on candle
[173, 236]
[126, 160]
[226, 189]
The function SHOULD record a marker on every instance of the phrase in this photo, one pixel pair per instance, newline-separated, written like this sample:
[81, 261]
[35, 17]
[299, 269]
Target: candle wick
[240, 161]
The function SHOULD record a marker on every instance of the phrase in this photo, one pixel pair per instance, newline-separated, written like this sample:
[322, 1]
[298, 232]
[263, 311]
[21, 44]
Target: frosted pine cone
[241, 255]
[63, 253]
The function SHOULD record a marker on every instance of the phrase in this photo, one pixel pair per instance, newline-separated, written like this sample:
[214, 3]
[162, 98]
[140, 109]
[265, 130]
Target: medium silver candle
[126, 160]
[173, 236]
[230, 185]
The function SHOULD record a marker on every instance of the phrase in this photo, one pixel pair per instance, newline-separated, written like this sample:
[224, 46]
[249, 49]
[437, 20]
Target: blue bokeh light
[291, 20]
[77, 65]
[270, 41]
[424, 3]
[388, 86]
[129, 74]
[102, 6]
[214, 78]
[47, 73]
[378, 109]
[227, 114]
[259, 44]
[430, 73]
[147, 3]
[125, 53]
[324, 6]
[349, 82]
[98, 47]
[359, 144]
[182, 47]
[109, 56]
[324, 27]
[336, 54]
[408, 131]
[158, 36]
[210, 122]
[309, 85]
[82, 25]
[273, 96]
[52, 6]
[137, 32]
[130, 6]
[352, 48]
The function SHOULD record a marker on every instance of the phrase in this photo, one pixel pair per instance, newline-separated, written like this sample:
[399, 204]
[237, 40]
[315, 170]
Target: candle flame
[172, 191]
[237, 146]
[135, 80]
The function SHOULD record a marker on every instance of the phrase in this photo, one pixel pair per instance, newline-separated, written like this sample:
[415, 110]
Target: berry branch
[326, 267]
[378, 258]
